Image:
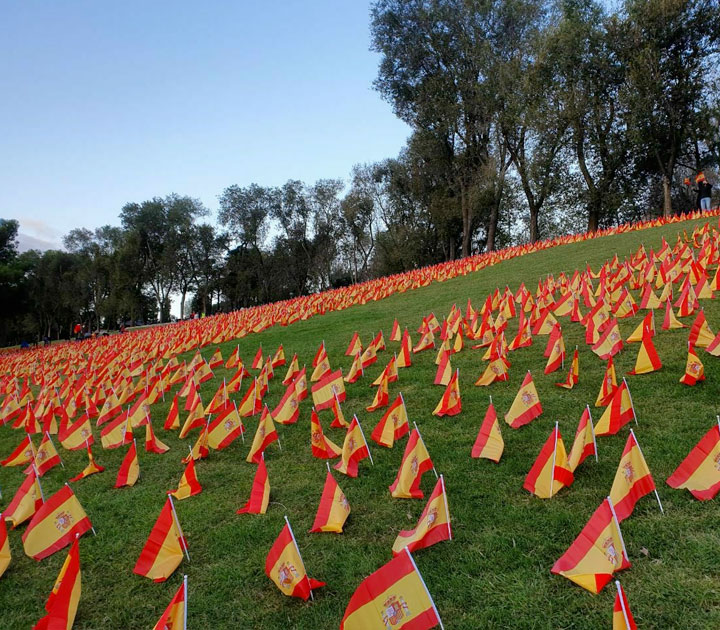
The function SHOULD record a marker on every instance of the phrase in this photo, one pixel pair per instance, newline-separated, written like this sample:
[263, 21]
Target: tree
[668, 49]
[155, 230]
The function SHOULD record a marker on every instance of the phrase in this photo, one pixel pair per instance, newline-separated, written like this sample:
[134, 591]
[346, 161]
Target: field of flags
[509, 436]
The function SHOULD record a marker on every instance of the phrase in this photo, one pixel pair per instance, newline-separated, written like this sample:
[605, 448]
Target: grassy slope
[495, 574]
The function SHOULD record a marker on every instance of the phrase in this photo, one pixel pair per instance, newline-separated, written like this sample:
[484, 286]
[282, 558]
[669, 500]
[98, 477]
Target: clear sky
[109, 102]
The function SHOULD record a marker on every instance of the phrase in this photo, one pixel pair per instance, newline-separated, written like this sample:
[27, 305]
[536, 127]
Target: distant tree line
[529, 118]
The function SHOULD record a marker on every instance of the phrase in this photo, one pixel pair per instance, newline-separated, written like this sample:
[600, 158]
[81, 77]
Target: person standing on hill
[704, 192]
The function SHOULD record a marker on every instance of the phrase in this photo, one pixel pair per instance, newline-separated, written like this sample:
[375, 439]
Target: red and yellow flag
[338, 421]
[55, 524]
[550, 473]
[608, 386]
[489, 443]
[77, 435]
[174, 616]
[163, 550]
[285, 567]
[259, 493]
[46, 456]
[526, 406]
[23, 454]
[415, 462]
[264, 436]
[597, 552]
[433, 525]
[333, 509]
[632, 480]
[694, 369]
[189, 484]
[584, 444]
[173, 418]
[647, 359]
[92, 468]
[354, 450]
[393, 425]
[152, 443]
[62, 603]
[450, 404]
[382, 395]
[394, 596]
[327, 388]
[114, 434]
[322, 447]
[288, 409]
[225, 428]
[129, 469]
[699, 472]
[622, 617]
[5, 555]
[27, 501]
[618, 413]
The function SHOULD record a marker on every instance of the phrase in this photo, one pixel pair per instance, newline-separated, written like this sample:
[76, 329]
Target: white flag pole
[364, 440]
[552, 470]
[622, 603]
[177, 522]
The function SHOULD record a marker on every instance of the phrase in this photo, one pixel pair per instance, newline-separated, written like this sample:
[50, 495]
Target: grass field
[496, 571]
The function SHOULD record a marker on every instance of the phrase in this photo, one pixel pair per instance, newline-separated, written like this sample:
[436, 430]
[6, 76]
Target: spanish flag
[618, 413]
[333, 509]
[27, 500]
[450, 404]
[292, 371]
[338, 421]
[495, 371]
[648, 322]
[354, 346]
[62, 603]
[622, 617]
[251, 403]
[23, 454]
[415, 462]
[327, 388]
[225, 428]
[444, 369]
[694, 369]
[433, 525]
[301, 385]
[526, 406]
[92, 467]
[173, 418]
[5, 555]
[288, 409]
[152, 443]
[322, 447]
[584, 444]
[77, 435]
[393, 425]
[285, 567]
[175, 614]
[129, 469]
[46, 456]
[321, 369]
[259, 493]
[699, 472]
[608, 386]
[278, 358]
[382, 396]
[114, 434]
[163, 550]
[264, 436]
[404, 357]
[195, 419]
[395, 332]
[550, 473]
[489, 443]
[597, 552]
[200, 449]
[189, 484]
[257, 361]
[55, 524]
[632, 480]
[354, 450]
[356, 370]
[670, 322]
[394, 596]
[647, 359]
[610, 342]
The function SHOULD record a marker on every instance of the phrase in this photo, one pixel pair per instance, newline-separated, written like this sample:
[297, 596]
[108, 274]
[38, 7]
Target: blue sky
[109, 102]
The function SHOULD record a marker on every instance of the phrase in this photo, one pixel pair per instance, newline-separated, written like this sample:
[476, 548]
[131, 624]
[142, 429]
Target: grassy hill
[496, 571]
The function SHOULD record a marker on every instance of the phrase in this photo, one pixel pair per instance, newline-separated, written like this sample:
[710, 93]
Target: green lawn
[496, 571]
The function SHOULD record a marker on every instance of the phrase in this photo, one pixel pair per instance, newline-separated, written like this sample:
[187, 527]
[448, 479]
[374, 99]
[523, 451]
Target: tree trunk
[465, 209]
[667, 197]
[182, 303]
[534, 230]
[593, 216]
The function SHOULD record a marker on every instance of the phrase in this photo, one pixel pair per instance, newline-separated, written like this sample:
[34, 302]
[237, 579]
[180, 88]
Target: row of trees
[528, 118]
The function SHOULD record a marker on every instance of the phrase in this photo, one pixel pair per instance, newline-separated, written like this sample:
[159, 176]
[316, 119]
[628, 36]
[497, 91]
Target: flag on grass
[322, 446]
[62, 603]
[5, 555]
[699, 472]
[176, 613]
[584, 444]
[433, 525]
[450, 404]
[415, 462]
[489, 443]
[622, 617]
[632, 480]
[354, 450]
[27, 500]
[285, 567]
[129, 469]
[550, 473]
[394, 596]
[259, 493]
[55, 524]
[618, 413]
[393, 425]
[333, 509]
[92, 467]
[526, 406]
[189, 484]
[163, 550]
